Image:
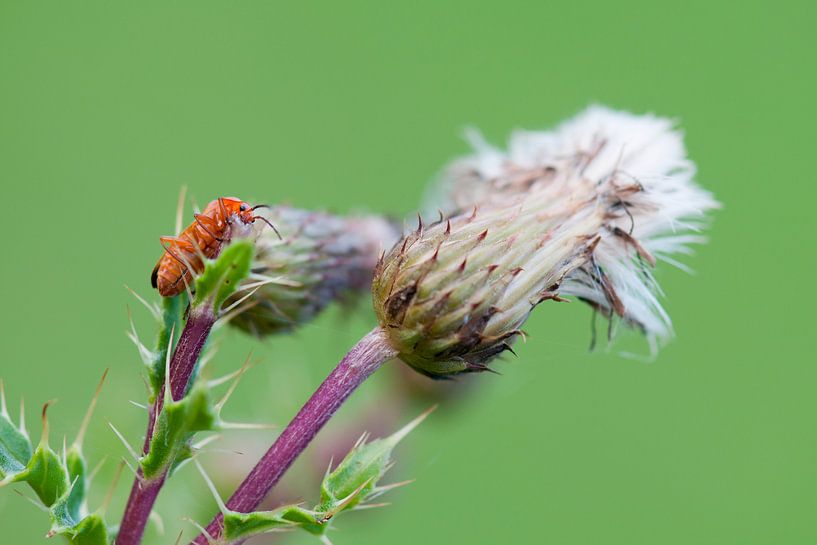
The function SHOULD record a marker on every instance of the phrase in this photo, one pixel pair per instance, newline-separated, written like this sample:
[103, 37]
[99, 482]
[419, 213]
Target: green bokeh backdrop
[107, 108]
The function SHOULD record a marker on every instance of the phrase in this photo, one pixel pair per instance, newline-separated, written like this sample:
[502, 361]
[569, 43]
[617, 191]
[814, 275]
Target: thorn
[226, 378]
[241, 300]
[157, 520]
[180, 209]
[420, 225]
[329, 467]
[361, 507]
[168, 357]
[546, 295]
[23, 429]
[342, 504]
[387, 487]
[225, 318]
[361, 440]
[473, 214]
[44, 436]
[447, 228]
[461, 268]
[151, 308]
[482, 236]
[436, 252]
[593, 243]
[380, 490]
[96, 468]
[34, 502]
[206, 441]
[202, 530]
[137, 404]
[405, 430]
[77, 444]
[508, 348]
[109, 495]
[481, 367]
[148, 389]
[132, 469]
[246, 426]
[3, 408]
[144, 352]
[231, 389]
[124, 442]
[220, 502]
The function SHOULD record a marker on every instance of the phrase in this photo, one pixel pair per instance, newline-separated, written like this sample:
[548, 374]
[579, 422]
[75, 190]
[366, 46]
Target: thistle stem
[364, 359]
[144, 492]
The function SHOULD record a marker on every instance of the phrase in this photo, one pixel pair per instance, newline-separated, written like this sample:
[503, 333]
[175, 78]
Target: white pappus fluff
[630, 169]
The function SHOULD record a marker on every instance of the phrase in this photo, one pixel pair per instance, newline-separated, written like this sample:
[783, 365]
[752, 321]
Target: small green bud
[319, 259]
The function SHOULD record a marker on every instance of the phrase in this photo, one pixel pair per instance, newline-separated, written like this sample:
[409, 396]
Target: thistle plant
[453, 295]
[584, 211]
[60, 480]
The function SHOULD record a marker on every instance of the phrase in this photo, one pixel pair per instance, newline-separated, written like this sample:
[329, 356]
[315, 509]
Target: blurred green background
[107, 108]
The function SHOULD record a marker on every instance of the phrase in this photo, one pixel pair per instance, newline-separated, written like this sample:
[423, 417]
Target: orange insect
[201, 239]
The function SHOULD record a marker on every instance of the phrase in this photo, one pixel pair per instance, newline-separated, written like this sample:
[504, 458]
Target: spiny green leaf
[46, 475]
[88, 530]
[351, 484]
[176, 424]
[15, 446]
[45, 472]
[60, 482]
[356, 476]
[222, 277]
[63, 516]
[77, 474]
[91, 530]
[238, 526]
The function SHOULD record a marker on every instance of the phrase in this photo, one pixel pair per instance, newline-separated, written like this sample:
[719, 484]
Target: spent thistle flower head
[585, 210]
[318, 259]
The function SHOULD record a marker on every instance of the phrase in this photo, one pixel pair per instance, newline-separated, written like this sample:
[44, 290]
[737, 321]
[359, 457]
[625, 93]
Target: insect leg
[178, 243]
[224, 211]
[201, 220]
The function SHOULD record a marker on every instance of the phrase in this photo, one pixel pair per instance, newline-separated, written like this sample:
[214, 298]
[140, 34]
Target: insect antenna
[268, 222]
[257, 206]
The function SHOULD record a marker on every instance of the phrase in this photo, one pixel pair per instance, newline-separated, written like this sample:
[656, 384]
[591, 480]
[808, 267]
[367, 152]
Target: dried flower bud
[320, 258]
[584, 210]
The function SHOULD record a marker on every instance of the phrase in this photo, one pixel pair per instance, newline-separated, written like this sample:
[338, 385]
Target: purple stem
[364, 359]
[143, 494]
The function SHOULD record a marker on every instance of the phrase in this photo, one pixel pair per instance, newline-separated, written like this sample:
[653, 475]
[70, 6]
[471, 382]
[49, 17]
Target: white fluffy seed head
[631, 169]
